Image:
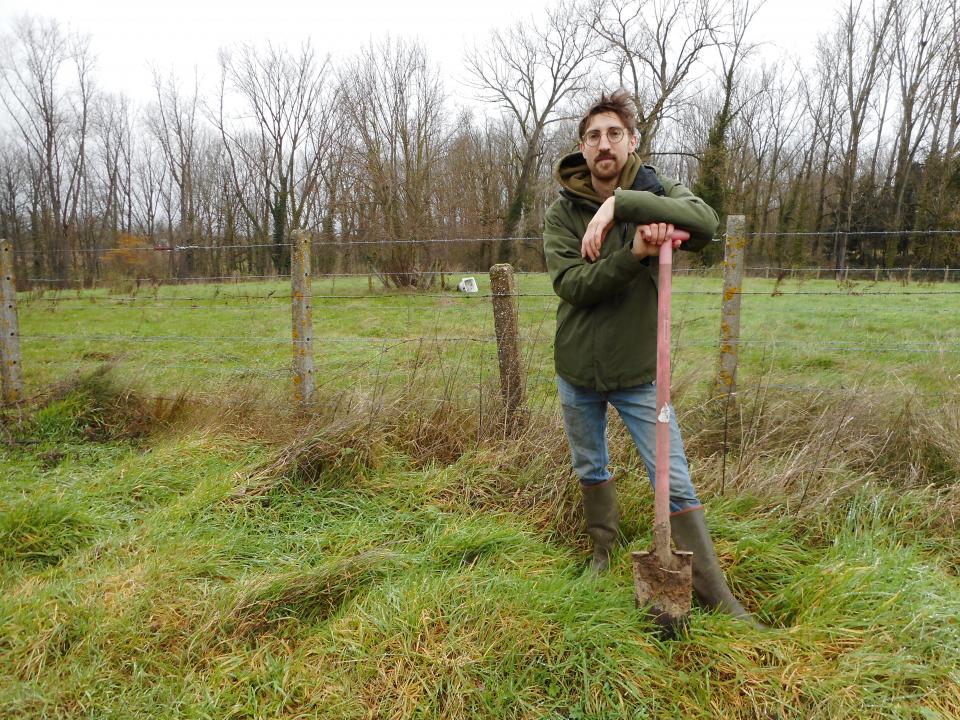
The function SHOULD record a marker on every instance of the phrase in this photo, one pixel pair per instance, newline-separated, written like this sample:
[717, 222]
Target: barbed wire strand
[160, 369]
[852, 293]
[859, 268]
[276, 309]
[935, 347]
[710, 272]
[435, 241]
[275, 246]
[848, 233]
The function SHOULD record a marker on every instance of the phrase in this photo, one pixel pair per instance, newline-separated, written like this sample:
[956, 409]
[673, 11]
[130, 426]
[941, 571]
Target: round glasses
[614, 135]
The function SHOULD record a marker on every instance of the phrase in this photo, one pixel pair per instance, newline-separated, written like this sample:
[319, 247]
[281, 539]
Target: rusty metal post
[300, 277]
[12, 368]
[503, 287]
[733, 261]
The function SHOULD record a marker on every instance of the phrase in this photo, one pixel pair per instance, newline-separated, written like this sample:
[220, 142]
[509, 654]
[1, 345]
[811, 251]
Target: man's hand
[648, 238]
[597, 230]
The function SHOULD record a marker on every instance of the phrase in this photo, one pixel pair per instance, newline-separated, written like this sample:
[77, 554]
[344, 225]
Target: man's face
[605, 158]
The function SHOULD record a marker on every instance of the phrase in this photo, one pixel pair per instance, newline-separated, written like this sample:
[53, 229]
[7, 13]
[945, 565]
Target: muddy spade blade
[662, 577]
[662, 587]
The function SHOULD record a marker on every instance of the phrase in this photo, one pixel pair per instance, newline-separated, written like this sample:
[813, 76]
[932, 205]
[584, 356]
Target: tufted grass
[162, 561]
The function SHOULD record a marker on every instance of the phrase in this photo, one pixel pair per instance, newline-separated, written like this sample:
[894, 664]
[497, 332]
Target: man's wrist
[612, 203]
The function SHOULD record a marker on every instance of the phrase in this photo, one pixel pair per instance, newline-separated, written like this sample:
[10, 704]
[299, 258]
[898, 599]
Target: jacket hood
[574, 176]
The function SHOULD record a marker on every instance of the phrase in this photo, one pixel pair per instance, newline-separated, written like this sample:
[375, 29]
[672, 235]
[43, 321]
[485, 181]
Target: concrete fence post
[733, 262]
[506, 324]
[946, 274]
[12, 368]
[302, 326]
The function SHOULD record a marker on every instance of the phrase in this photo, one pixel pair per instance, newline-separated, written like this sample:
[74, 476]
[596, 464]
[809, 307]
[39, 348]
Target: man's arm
[578, 281]
[678, 206]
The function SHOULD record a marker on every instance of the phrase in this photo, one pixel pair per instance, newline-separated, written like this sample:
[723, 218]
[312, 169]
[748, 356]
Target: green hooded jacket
[606, 335]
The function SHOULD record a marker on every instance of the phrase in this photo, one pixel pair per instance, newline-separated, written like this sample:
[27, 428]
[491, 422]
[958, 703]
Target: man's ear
[580, 146]
[633, 141]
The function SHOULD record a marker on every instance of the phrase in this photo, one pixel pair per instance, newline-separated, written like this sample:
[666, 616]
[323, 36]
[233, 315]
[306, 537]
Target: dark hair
[620, 103]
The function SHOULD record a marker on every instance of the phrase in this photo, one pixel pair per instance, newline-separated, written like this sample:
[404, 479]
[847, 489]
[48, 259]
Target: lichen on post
[506, 327]
[12, 369]
[733, 254]
[302, 325]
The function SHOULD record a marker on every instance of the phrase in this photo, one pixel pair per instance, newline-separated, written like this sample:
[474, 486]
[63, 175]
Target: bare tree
[105, 180]
[14, 190]
[922, 38]
[862, 39]
[728, 34]
[822, 102]
[173, 121]
[48, 90]
[528, 70]
[150, 173]
[935, 205]
[771, 151]
[655, 46]
[286, 95]
[394, 102]
[472, 197]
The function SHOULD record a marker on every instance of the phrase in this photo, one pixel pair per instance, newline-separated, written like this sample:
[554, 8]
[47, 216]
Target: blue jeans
[585, 421]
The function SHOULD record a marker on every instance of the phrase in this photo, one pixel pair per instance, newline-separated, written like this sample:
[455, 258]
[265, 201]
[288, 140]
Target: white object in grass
[468, 285]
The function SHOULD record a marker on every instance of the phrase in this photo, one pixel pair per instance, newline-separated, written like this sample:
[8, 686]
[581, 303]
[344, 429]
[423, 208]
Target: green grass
[395, 556]
[212, 338]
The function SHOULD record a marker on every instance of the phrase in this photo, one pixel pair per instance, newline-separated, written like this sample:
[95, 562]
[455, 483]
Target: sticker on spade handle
[664, 415]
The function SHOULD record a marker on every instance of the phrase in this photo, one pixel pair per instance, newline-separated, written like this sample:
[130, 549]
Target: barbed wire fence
[521, 354]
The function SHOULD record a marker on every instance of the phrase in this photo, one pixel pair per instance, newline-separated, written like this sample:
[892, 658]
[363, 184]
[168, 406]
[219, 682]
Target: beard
[608, 171]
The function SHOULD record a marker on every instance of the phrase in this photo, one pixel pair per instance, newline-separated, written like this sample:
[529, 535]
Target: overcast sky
[129, 35]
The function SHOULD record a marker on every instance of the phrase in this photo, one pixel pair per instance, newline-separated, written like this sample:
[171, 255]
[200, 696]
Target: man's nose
[604, 142]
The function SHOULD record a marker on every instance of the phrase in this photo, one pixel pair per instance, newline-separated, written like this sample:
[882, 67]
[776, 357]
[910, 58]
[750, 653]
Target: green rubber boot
[690, 533]
[602, 518]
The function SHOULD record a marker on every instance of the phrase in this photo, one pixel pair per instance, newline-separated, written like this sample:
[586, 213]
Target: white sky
[130, 35]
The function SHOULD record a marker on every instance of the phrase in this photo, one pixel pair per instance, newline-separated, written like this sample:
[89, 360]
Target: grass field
[177, 541]
[218, 336]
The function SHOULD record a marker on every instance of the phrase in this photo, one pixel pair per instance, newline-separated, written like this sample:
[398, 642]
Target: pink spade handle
[661, 515]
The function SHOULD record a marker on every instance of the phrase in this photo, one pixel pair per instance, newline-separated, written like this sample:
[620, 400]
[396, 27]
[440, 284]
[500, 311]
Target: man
[601, 238]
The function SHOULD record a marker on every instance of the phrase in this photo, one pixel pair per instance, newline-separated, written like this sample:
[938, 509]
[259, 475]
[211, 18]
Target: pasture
[178, 540]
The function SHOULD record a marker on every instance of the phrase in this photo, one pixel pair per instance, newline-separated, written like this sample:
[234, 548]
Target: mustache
[604, 156]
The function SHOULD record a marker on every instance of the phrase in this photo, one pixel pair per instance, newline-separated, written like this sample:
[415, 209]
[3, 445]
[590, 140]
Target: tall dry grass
[395, 552]
[805, 448]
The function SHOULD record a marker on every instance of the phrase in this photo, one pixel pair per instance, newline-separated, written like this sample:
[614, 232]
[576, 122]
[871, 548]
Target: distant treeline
[856, 144]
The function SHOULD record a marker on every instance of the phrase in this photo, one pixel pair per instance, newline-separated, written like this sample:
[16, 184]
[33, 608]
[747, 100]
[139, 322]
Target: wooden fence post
[503, 287]
[302, 326]
[12, 368]
[946, 274]
[733, 261]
